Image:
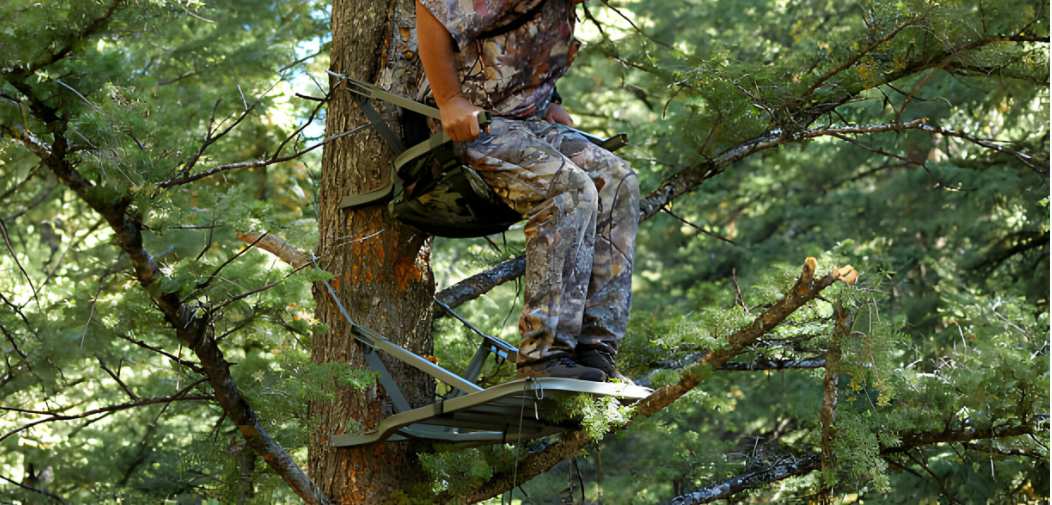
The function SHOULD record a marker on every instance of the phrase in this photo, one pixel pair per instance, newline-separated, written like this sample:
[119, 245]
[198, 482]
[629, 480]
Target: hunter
[581, 202]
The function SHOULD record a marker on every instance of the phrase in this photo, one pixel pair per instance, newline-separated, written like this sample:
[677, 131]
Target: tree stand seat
[517, 410]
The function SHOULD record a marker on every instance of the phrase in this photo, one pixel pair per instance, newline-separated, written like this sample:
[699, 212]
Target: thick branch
[277, 246]
[774, 473]
[827, 414]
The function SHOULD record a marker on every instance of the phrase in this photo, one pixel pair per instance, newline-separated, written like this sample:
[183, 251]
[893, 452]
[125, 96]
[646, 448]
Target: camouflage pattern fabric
[582, 209]
[511, 52]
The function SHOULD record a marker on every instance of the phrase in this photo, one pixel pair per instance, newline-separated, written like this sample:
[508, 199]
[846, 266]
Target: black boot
[600, 357]
[560, 366]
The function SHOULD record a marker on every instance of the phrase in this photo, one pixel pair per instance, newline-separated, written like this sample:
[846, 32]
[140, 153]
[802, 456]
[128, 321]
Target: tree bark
[381, 268]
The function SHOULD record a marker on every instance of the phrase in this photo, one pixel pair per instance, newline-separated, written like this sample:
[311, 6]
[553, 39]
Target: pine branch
[827, 414]
[57, 415]
[801, 466]
[94, 27]
[192, 327]
[758, 365]
[805, 289]
[780, 471]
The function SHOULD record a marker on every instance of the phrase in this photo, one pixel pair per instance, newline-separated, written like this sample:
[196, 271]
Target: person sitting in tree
[581, 202]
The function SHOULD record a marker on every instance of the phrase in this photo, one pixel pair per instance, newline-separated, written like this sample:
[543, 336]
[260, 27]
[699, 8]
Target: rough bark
[381, 267]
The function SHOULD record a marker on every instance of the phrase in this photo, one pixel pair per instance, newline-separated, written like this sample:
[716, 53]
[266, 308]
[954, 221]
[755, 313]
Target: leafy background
[951, 238]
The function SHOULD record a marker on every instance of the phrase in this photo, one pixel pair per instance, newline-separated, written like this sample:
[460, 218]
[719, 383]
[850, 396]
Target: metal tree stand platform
[516, 410]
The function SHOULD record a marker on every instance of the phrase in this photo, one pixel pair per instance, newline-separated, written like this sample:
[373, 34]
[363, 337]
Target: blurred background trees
[909, 139]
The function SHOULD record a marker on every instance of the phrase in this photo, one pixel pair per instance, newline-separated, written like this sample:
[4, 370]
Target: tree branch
[191, 327]
[53, 496]
[734, 485]
[804, 290]
[277, 246]
[800, 466]
[52, 416]
[95, 26]
[758, 365]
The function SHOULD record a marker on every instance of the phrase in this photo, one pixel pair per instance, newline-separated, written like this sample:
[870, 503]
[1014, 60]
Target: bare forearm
[437, 55]
[459, 116]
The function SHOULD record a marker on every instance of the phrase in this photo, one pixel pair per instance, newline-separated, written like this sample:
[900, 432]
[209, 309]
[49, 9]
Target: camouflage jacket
[510, 52]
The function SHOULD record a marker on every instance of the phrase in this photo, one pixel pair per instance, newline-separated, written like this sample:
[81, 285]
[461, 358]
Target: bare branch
[117, 378]
[174, 358]
[226, 167]
[277, 246]
[14, 256]
[207, 282]
[52, 416]
[774, 473]
[53, 496]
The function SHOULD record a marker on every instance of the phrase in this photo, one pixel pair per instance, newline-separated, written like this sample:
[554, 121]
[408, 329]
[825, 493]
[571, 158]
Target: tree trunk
[381, 267]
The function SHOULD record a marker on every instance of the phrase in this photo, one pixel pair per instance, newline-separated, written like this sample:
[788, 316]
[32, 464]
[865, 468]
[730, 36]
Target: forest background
[178, 139]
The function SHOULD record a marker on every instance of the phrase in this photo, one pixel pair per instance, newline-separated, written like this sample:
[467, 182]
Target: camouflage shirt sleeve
[466, 20]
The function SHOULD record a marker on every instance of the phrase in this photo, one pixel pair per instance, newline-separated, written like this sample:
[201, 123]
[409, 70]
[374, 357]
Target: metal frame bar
[376, 341]
[415, 419]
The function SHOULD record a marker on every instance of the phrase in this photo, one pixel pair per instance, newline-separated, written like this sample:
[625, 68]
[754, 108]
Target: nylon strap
[370, 91]
[360, 199]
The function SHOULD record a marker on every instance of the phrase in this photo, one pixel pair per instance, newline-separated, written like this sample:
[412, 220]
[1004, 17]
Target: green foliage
[455, 469]
[140, 95]
[950, 236]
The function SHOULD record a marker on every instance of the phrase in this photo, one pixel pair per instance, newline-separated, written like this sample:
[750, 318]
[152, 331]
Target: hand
[557, 114]
[460, 119]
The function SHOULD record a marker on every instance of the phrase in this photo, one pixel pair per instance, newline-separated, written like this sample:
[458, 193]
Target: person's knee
[626, 179]
[578, 190]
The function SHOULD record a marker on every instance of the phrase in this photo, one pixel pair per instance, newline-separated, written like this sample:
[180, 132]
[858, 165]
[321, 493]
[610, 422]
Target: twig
[705, 232]
[117, 378]
[258, 162]
[33, 489]
[181, 395]
[201, 286]
[162, 352]
[11, 250]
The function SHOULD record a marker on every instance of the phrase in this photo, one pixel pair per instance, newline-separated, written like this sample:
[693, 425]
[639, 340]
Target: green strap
[370, 91]
[360, 199]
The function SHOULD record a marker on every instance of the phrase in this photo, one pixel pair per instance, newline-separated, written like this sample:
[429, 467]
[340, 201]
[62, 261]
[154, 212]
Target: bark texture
[381, 267]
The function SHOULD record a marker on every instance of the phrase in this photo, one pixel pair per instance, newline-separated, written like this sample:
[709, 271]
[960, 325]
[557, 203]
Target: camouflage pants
[582, 208]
